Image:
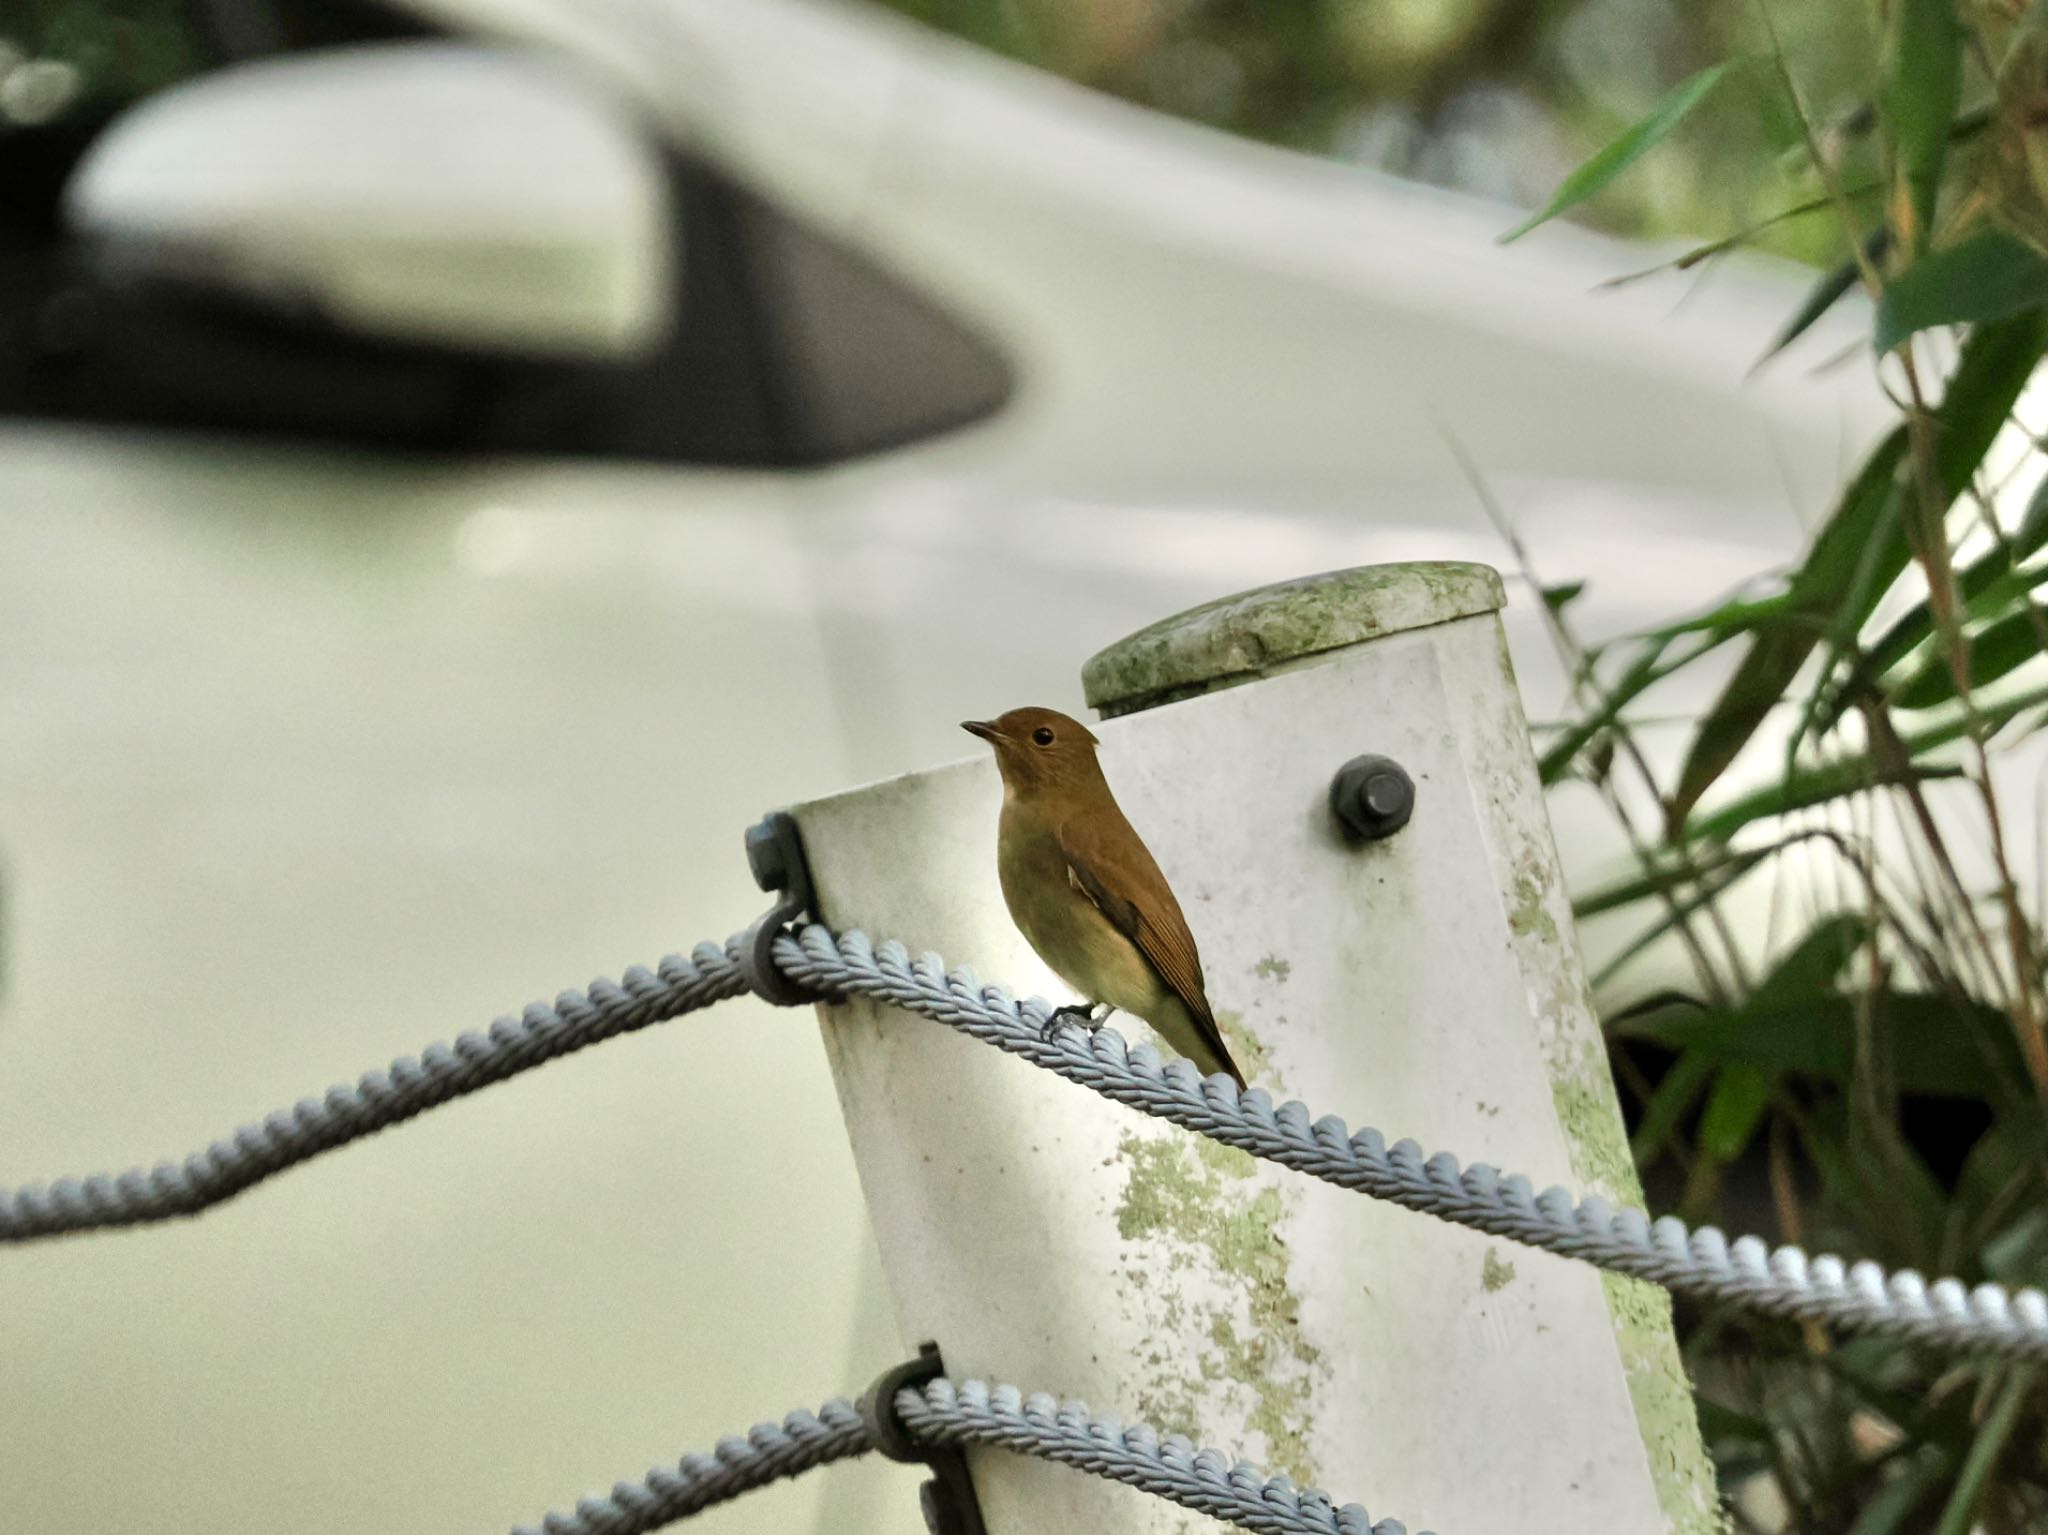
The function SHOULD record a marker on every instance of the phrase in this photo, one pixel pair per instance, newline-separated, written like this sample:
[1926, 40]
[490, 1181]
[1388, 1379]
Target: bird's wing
[1114, 869]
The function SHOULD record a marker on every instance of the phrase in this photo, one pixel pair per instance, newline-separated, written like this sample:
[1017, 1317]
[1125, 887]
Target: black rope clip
[775, 852]
[947, 1500]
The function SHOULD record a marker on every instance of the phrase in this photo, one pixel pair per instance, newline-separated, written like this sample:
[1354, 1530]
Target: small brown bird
[1084, 890]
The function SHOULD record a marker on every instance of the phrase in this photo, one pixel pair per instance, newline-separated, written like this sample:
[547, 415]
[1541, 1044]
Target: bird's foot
[1089, 1017]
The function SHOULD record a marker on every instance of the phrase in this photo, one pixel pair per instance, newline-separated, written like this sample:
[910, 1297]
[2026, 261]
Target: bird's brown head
[1039, 750]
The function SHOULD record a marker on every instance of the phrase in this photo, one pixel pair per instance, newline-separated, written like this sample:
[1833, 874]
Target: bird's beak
[982, 728]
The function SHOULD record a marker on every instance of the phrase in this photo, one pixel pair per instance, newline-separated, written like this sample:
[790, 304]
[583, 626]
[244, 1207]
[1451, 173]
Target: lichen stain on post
[1495, 1273]
[1582, 1093]
[1664, 1404]
[1220, 1309]
[1529, 912]
[1235, 639]
[1579, 1086]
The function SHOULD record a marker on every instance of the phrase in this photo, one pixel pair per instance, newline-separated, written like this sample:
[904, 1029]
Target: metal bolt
[1372, 796]
[765, 856]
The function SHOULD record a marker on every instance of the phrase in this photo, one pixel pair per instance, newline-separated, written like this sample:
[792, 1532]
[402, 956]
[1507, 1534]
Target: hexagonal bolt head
[1373, 797]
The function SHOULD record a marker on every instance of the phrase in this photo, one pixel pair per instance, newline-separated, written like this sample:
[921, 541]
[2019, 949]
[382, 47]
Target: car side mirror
[419, 193]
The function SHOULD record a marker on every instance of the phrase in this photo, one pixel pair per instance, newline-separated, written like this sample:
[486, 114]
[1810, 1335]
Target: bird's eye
[1042, 735]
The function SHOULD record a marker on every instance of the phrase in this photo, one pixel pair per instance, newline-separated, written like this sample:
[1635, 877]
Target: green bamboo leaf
[1864, 527]
[1826, 293]
[1876, 571]
[1711, 886]
[1889, 1174]
[1625, 150]
[1989, 276]
[1812, 966]
[2032, 532]
[1996, 362]
[1713, 862]
[1717, 867]
[1852, 775]
[1902, 1498]
[1674, 1095]
[1779, 1014]
[1966, 127]
[1789, 1010]
[1824, 1144]
[1921, 88]
[1734, 1110]
[2012, 641]
[1999, 1195]
[1988, 586]
[1727, 620]
[1931, 1045]
[1714, 628]
[1980, 398]
[1995, 715]
[1960, 1515]
[1645, 672]
[1805, 788]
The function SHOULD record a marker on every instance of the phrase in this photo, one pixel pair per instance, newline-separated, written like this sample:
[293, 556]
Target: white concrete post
[1427, 984]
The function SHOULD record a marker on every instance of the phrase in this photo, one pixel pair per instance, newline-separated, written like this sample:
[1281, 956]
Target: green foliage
[2012, 641]
[1862, 550]
[1918, 96]
[1990, 585]
[1873, 693]
[1989, 276]
[1829, 290]
[1817, 1034]
[1617, 156]
[1499, 97]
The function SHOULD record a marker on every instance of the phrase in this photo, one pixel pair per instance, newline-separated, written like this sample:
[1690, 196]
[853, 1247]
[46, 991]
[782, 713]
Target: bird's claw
[1088, 1017]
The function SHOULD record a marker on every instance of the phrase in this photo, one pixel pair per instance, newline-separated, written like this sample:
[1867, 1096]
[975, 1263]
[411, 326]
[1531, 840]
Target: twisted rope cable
[1780, 1281]
[941, 1413]
[1170, 1467]
[768, 1453]
[349, 1111]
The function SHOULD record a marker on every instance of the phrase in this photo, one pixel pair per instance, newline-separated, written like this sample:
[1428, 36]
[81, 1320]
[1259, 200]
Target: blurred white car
[463, 461]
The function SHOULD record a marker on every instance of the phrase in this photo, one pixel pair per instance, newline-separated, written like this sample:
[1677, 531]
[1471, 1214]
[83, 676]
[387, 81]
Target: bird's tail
[1205, 1044]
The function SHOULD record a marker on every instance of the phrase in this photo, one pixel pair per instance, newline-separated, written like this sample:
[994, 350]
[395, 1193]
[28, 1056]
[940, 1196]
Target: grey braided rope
[768, 1453]
[1170, 1467]
[941, 1413]
[1780, 1281]
[378, 1099]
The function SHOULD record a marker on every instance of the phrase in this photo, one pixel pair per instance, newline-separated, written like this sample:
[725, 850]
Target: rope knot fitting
[775, 854]
[947, 1500]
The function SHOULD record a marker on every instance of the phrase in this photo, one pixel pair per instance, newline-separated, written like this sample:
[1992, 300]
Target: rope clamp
[775, 852]
[947, 1500]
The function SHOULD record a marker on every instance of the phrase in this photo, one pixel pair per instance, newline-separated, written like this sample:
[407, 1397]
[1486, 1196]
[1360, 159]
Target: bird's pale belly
[1077, 941]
